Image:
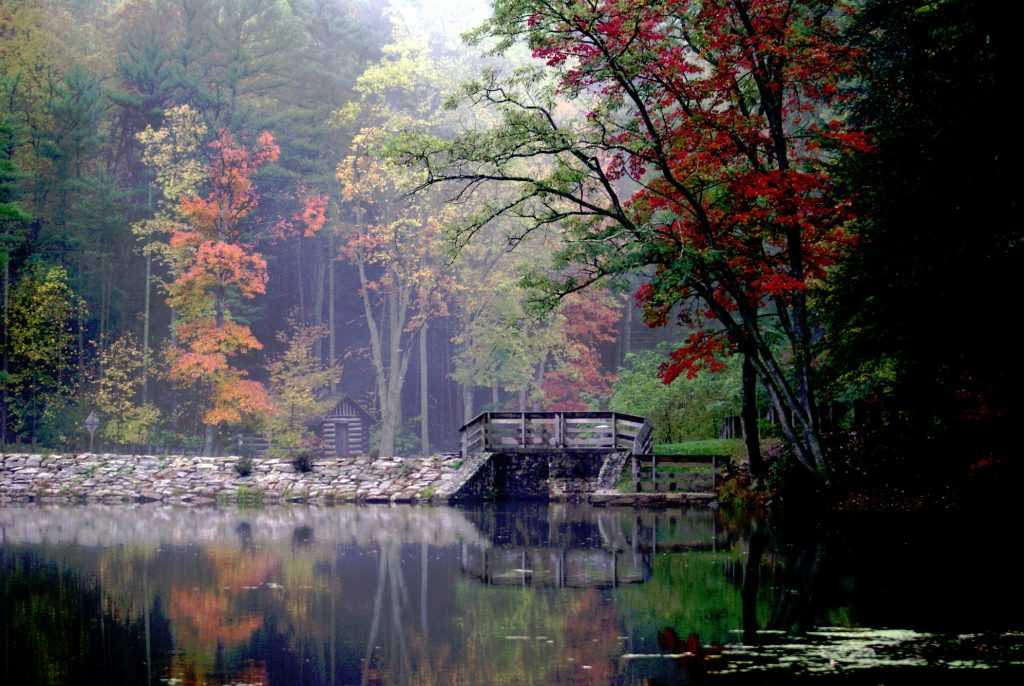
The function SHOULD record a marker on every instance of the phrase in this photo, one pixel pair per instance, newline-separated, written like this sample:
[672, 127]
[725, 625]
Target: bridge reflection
[566, 546]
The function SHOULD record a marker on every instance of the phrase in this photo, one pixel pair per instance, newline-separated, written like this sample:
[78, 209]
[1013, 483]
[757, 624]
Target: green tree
[118, 389]
[686, 409]
[42, 314]
[297, 382]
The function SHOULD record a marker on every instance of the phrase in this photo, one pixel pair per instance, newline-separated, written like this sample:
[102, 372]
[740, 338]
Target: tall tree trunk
[627, 330]
[541, 371]
[208, 442]
[467, 403]
[317, 317]
[145, 331]
[331, 334]
[522, 399]
[494, 395]
[751, 436]
[300, 282]
[424, 395]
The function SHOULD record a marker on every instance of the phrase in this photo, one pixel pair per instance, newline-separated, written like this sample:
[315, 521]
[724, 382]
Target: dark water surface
[500, 595]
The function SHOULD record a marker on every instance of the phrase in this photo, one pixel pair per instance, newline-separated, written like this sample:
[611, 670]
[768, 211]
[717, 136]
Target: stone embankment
[111, 478]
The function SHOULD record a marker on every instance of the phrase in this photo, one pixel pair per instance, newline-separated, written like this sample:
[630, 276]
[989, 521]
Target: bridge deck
[531, 432]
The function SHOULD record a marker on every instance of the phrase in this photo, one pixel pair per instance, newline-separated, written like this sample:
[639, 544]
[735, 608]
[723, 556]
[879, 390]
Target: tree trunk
[300, 280]
[145, 331]
[495, 393]
[467, 403]
[318, 305]
[424, 396]
[331, 334]
[541, 371]
[522, 399]
[627, 333]
[208, 442]
[751, 436]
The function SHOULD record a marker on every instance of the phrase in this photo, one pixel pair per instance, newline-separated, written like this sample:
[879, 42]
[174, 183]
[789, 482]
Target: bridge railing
[544, 431]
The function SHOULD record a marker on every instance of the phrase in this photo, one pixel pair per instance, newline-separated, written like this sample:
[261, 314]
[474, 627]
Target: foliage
[296, 382]
[243, 466]
[686, 408]
[723, 447]
[118, 388]
[211, 265]
[724, 114]
[43, 308]
[580, 381]
[303, 461]
[395, 242]
[939, 237]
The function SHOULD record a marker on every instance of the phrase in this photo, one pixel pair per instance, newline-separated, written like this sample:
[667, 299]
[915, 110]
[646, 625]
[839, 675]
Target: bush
[244, 466]
[303, 461]
[684, 410]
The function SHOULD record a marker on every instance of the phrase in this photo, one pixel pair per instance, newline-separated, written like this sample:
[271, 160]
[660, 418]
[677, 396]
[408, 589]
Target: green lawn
[724, 447]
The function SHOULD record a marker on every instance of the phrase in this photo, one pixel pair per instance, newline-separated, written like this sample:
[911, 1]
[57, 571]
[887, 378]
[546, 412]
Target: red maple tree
[591, 319]
[726, 115]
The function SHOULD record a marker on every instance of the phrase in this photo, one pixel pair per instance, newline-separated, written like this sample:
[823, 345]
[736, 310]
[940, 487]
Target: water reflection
[536, 594]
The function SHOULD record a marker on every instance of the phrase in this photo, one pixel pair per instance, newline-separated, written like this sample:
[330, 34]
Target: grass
[246, 495]
[724, 447]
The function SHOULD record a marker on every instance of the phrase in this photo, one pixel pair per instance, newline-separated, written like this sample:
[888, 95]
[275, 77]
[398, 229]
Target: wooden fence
[546, 431]
[677, 472]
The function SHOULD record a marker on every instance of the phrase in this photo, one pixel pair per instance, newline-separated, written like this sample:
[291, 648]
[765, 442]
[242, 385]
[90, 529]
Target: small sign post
[92, 422]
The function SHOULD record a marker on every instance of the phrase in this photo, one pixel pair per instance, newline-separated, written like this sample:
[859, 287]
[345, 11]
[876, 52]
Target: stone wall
[554, 475]
[112, 478]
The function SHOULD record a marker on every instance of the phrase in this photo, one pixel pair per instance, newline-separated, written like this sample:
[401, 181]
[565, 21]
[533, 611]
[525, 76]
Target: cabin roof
[338, 400]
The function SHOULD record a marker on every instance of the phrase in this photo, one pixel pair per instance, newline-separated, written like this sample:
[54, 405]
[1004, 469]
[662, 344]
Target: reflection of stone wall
[205, 480]
[156, 524]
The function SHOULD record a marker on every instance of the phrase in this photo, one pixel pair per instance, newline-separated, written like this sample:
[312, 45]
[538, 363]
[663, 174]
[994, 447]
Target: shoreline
[110, 478]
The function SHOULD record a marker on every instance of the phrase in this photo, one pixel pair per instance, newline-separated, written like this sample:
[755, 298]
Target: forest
[794, 221]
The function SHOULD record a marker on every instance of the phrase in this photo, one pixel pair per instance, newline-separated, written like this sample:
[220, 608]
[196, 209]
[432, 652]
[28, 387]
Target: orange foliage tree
[206, 205]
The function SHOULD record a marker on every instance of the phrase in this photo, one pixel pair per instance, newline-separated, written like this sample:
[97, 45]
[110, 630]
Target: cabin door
[341, 439]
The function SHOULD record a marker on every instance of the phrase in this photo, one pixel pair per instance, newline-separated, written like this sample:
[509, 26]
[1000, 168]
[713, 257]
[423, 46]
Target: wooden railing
[677, 472]
[544, 431]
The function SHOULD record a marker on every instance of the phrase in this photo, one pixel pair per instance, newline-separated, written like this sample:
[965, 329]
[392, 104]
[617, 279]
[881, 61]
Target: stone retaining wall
[207, 480]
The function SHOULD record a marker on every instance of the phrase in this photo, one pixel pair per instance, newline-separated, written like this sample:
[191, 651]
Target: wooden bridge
[540, 432]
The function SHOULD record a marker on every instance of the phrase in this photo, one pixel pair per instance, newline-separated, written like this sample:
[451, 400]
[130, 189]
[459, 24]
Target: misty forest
[501, 342]
[786, 228]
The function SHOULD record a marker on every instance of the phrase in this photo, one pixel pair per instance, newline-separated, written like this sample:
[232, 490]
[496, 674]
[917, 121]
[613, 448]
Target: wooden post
[615, 431]
[522, 429]
[654, 470]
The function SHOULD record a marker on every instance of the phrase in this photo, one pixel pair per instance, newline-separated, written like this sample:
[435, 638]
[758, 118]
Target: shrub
[303, 461]
[244, 466]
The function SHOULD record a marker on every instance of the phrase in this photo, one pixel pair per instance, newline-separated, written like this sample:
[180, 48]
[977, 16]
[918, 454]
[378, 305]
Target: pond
[500, 594]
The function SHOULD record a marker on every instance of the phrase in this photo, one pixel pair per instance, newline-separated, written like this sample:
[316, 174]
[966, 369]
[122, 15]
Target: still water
[537, 594]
